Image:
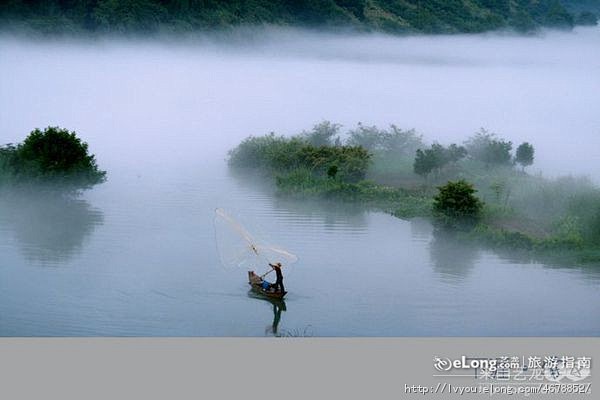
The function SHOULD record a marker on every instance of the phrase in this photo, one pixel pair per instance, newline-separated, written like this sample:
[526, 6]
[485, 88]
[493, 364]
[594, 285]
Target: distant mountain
[393, 16]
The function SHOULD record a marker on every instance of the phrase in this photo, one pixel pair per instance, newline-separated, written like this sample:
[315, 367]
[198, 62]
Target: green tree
[424, 163]
[393, 141]
[129, 15]
[323, 134]
[455, 153]
[456, 204]
[487, 148]
[524, 155]
[369, 137]
[587, 18]
[56, 153]
[399, 142]
[435, 158]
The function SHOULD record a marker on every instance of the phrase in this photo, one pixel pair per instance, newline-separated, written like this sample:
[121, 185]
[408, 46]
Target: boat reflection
[278, 306]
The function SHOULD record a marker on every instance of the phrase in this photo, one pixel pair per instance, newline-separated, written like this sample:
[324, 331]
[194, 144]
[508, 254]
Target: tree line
[407, 16]
[483, 146]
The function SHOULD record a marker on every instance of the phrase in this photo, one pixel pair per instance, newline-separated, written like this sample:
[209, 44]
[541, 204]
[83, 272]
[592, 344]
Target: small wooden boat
[262, 287]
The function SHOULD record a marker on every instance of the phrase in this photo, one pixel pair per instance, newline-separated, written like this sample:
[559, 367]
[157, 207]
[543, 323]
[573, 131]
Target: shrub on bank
[280, 154]
[456, 204]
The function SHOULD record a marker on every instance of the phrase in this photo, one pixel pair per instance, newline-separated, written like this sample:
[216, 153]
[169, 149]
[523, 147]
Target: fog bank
[178, 103]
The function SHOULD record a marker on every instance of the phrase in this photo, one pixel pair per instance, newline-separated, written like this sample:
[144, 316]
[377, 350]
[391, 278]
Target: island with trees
[53, 158]
[479, 190]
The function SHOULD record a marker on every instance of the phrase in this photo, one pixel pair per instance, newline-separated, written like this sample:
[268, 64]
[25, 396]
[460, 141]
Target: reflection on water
[333, 215]
[421, 228]
[452, 259]
[278, 306]
[49, 227]
[148, 266]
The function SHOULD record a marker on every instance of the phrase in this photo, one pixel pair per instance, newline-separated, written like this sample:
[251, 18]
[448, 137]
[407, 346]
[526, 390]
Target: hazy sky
[181, 100]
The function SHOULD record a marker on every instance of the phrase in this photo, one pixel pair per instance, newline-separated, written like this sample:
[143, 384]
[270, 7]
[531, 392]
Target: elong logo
[445, 364]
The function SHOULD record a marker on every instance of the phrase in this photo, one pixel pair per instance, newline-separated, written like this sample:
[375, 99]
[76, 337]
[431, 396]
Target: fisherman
[278, 285]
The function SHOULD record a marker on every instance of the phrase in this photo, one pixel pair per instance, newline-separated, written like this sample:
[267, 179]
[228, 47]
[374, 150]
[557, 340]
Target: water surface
[137, 256]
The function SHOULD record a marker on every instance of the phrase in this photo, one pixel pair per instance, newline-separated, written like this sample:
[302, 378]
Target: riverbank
[496, 230]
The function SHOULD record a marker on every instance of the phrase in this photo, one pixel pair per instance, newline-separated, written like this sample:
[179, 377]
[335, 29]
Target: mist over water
[136, 255]
[207, 94]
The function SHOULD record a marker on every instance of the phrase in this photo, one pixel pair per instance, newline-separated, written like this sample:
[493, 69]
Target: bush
[279, 154]
[53, 154]
[456, 204]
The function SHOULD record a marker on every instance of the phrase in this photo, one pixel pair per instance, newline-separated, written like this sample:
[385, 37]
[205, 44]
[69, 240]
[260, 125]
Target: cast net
[238, 249]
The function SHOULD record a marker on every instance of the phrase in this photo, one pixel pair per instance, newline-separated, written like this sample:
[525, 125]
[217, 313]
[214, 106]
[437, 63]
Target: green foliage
[580, 6]
[400, 202]
[586, 18]
[502, 238]
[267, 152]
[427, 161]
[455, 153]
[393, 141]
[524, 155]
[148, 16]
[369, 137]
[129, 15]
[53, 155]
[323, 134]
[332, 171]
[280, 154]
[551, 13]
[584, 210]
[456, 204]
[437, 157]
[549, 199]
[487, 148]
[521, 211]
[523, 22]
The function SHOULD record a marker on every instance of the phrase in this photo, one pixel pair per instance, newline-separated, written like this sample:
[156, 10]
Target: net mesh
[238, 249]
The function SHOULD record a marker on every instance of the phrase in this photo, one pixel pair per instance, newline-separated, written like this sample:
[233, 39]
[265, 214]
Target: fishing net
[238, 249]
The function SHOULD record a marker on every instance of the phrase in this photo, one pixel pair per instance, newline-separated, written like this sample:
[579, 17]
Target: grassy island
[478, 190]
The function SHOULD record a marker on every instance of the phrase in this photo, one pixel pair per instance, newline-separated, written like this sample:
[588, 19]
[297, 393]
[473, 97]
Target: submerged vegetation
[54, 156]
[408, 16]
[473, 189]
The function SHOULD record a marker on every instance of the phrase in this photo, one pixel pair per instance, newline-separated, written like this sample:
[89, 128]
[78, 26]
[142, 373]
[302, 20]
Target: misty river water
[136, 256]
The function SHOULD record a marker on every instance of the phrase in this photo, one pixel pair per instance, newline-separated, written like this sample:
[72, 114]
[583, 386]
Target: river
[137, 256]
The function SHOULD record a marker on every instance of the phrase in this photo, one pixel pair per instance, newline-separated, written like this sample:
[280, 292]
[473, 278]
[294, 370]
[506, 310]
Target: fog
[136, 255]
[176, 101]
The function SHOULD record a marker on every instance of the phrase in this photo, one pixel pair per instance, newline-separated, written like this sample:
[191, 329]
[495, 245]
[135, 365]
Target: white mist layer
[176, 103]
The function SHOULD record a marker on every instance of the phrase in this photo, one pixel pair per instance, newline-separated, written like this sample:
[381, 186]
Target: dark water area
[137, 256]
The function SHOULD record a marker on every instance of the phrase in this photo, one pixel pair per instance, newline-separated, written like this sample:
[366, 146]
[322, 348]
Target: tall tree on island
[524, 156]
